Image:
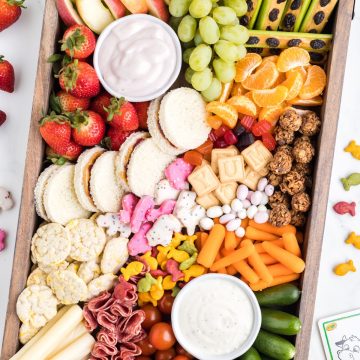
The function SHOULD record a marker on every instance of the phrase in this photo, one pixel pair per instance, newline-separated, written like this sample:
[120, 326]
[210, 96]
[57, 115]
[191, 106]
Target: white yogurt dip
[138, 57]
[214, 317]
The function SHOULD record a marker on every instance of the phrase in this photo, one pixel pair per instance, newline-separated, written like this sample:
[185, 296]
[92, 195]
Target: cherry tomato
[162, 336]
[165, 304]
[165, 354]
[152, 316]
[181, 357]
[146, 347]
[181, 351]
[143, 357]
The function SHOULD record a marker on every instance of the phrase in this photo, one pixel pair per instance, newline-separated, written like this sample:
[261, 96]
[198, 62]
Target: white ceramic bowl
[126, 20]
[176, 314]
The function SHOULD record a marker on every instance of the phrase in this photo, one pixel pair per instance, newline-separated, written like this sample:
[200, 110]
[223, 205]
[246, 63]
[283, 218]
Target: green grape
[179, 8]
[224, 15]
[189, 72]
[235, 22]
[224, 71]
[237, 34]
[198, 39]
[241, 52]
[200, 57]
[200, 8]
[186, 55]
[226, 50]
[201, 80]
[240, 6]
[187, 28]
[209, 30]
[174, 22]
[213, 92]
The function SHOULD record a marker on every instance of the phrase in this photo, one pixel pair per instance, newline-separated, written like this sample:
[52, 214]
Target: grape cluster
[210, 32]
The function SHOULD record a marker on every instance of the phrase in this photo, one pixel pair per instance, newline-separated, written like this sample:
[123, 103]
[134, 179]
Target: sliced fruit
[316, 101]
[294, 82]
[264, 78]
[246, 65]
[272, 58]
[243, 105]
[95, 15]
[159, 9]
[116, 8]
[238, 89]
[68, 13]
[293, 15]
[249, 96]
[270, 97]
[281, 78]
[317, 15]
[292, 58]
[270, 14]
[271, 114]
[315, 83]
[136, 6]
[225, 111]
[300, 69]
[283, 40]
[250, 17]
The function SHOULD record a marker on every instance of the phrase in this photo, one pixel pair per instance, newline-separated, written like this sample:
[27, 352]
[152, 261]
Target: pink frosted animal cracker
[112, 222]
[166, 208]
[162, 231]
[177, 173]
[139, 244]
[2, 239]
[128, 203]
[139, 214]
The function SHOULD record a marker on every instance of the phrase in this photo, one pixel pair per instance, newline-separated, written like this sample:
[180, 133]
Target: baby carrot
[212, 246]
[204, 237]
[230, 240]
[245, 223]
[291, 261]
[261, 285]
[257, 264]
[246, 271]
[279, 270]
[231, 270]
[273, 229]
[255, 234]
[223, 269]
[234, 257]
[291, 244]
[260, 250]
[267, 259]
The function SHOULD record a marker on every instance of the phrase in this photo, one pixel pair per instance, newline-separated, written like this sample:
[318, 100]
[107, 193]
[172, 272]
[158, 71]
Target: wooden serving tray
[28, 220]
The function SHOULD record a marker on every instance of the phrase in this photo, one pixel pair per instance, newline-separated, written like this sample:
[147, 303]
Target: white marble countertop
[20, 45]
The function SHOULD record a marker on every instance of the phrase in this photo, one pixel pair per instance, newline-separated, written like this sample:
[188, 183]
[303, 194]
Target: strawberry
[141, 110]
[99, 104]
[10, 11]
[71, 153]
[79, 79]
[115, 138]
[2, 117]
[7, 75]
[78, 42]
[122, 115]
[88, 127]
[64, 102]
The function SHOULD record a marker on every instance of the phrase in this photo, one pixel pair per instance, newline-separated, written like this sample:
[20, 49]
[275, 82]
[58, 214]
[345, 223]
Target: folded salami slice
[123, 309]
[125, 292]
[130, 327]
[107, 336]
[90, 321]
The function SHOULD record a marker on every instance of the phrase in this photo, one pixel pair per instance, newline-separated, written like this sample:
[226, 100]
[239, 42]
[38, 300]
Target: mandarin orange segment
[315, 83]
[249, 96]
[226, 91]
[291, 58]
[271, 114]
[294, 83]
[281, 78]
[226, 112]
[238, 89]
[316, 101]
[214, 121]
[272, 58]
[264, 78]
[300, 69]
[270, 97]
[243, 105]
[246, 65]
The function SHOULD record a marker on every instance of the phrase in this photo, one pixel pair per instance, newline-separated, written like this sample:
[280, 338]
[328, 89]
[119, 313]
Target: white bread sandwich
[105, 190]
[146, 167]
[83, 168]
[60, 200]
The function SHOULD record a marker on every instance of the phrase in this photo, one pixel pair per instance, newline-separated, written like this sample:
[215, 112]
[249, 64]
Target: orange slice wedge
[291, 58]
[294, 83]
[243, 105]
[238, 89]
[264, 78]
[300, 69]
[271, 114]
[315, 83]
[225, 111]
[246, 65]
[316, 101]
[249, 96]
[270, 97]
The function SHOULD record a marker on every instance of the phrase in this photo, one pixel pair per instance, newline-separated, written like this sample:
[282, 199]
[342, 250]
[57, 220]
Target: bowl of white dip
[216, 317]
[138, 57]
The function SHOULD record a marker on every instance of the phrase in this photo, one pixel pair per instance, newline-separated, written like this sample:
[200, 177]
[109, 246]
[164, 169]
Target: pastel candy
[138, 244]
[129, 202]
[164, 191]
[112, 222]
[162, 231]
[139, 214]
[177, 173]
[166, 208]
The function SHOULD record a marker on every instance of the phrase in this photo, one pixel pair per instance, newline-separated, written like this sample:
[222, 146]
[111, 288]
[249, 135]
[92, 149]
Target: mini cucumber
[280, 295]
[280, 322]
[274, 346]
[251, 354]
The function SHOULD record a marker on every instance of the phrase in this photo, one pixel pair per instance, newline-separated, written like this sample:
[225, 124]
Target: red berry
[141, 110]
[117, 137]
[122, 115]
[269, 141]
[230, 137]
[247, 122]
[260, 128]
[64, 102]
[10, 11]
[2, 117]
[101, 102]
[7, 75]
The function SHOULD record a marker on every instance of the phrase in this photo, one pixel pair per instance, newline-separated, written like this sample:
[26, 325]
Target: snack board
[28, 224]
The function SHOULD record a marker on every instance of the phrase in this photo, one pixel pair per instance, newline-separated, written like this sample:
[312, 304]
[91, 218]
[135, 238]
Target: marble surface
[334, 294]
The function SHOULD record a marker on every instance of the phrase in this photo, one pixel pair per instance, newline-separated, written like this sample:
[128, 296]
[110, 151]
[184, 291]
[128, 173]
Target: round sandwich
[182, 118]
[146, 167]
[40, 189]
[105, 190]
[123, 157]
[156, 131]
[83, 168]
[60, 200]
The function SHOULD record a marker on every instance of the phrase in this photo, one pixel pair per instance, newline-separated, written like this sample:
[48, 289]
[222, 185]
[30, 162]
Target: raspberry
[260, 128]
[269, 141]
[247, 122]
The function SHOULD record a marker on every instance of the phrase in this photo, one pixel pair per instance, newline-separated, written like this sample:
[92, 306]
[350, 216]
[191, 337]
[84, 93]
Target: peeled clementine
[315, 83]
[291, 58]
[246, 65]
[270, 97]
[264, 78]
[243, 105]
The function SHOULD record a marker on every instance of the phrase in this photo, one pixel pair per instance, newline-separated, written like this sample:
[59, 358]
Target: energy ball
[281, 163]
[293, 183]
[280, 216]
[287, 149]
[310, 124]
[290, 120]
[274, 179]
[301, 202]
[283, 137]
[304, 169]
[279, 198]
[303, 152]
[298, 219]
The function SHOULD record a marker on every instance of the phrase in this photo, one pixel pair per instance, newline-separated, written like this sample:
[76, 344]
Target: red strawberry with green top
[141, 110]
[79, 79]
[116, 137]
[78, 41]
[101, 102]
[64, 102]
[2, 117]
[7, 76]
[71, 152]
[122, 115]
[88, 127]
[10, 11]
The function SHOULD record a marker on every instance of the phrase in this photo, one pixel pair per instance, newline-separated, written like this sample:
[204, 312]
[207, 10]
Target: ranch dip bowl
[216, 317]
